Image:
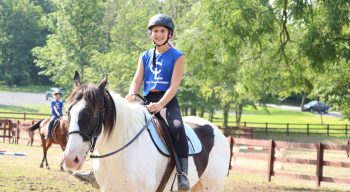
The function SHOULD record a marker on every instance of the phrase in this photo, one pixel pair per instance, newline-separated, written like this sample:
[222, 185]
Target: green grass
[43, 109]
[31, 88]
[275, 115]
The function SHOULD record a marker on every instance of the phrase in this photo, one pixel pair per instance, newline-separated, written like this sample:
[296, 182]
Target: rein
[98, 129]
[126, 145]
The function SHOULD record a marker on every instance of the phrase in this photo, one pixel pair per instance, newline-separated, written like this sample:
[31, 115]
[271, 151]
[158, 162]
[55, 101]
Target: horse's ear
[103, 83]
[76, 79]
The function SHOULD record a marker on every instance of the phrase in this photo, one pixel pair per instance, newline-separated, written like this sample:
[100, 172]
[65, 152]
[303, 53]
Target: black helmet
[162, 20]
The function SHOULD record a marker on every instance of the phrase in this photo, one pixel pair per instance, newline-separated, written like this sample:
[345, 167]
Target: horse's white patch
[76, 148]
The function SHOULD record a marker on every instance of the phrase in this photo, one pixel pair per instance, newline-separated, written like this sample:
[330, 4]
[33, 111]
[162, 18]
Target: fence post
[232, 142]
[319, 165]
[266, 129]
[307, 129]
[270, 159]
[346, 129]
[245, 124]
[10, 131]
[25, 115]
[327, 129]
[287, 128]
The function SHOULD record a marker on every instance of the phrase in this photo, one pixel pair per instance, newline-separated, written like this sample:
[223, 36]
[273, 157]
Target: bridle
[97, 130]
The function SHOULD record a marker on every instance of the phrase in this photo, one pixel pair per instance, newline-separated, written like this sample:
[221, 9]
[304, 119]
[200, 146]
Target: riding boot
[183, 184]
[87, 177]
[48, 135]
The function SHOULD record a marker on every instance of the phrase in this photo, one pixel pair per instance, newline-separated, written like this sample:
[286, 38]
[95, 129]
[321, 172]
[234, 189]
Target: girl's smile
[159, 34]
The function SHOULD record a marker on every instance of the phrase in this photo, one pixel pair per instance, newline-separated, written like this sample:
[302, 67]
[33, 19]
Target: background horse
[138, 166]
[59, 136]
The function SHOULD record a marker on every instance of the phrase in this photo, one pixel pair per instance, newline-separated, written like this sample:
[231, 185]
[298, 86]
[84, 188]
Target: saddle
[160, 135]
[160, 139]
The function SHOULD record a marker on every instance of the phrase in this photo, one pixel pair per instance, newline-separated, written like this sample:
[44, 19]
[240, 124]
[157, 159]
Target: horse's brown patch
[205, 134]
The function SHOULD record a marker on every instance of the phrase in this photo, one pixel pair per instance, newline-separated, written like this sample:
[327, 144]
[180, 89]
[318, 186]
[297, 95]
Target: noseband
[97, 130]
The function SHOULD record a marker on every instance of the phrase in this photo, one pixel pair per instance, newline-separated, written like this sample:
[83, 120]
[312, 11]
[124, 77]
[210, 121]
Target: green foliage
[237, 52]
[21, 30]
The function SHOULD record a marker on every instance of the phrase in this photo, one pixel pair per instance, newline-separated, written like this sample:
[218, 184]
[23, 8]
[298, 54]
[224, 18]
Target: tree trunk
[239, 110]
[202, 110]
[186, 111]
[226, 110]
[211, 114]
[303, 101]
[193, 112]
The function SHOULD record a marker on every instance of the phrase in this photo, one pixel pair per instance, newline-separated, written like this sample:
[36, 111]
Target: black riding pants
[174, 119]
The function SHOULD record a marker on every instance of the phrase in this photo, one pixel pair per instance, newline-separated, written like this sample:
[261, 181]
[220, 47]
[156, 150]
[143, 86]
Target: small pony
[59, 136]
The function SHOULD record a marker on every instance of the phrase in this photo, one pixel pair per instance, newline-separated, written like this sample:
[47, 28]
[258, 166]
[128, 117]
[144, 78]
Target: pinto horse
[103, 122]
[59, 136]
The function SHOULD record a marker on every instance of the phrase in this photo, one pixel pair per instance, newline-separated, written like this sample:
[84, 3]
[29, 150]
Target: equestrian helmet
[58, 92]
[161, 20]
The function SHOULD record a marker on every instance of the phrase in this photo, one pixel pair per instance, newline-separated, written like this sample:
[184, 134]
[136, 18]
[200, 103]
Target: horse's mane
[90, 93]
[130, 116]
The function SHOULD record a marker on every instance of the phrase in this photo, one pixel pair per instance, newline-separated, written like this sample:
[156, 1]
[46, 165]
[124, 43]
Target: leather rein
[97, 130]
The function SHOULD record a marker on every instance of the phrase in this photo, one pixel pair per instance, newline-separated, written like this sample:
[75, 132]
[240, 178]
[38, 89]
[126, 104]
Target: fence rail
[270, 158]
[23, 116]
[295, 128]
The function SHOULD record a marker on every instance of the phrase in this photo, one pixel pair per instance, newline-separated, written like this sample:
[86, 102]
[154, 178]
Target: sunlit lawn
[276, 115]
[31, 88]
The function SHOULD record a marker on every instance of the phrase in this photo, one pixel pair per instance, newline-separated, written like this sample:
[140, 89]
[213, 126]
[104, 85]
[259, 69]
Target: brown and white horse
[59, 136]
[114, 123]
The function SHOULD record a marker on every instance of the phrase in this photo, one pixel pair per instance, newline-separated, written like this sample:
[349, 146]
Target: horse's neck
[129, 121]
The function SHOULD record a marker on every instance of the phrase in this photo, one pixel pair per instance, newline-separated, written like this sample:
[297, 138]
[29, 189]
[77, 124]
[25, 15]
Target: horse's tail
[35, 126]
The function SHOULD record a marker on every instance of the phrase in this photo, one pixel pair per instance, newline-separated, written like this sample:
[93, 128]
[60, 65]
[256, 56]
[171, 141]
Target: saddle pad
[194, 144]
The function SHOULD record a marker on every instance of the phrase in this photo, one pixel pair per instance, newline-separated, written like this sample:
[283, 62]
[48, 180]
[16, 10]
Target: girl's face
[159, 34]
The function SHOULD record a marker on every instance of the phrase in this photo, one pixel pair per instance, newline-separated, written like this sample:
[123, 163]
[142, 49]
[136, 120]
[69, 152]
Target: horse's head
[91, 110]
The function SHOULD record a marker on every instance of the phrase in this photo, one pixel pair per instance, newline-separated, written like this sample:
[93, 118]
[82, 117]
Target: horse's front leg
[43, 143]
[61, 164]
[45, 154]
[42, 162]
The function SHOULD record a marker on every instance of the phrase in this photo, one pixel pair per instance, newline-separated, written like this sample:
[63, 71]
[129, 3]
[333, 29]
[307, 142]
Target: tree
[21, 30]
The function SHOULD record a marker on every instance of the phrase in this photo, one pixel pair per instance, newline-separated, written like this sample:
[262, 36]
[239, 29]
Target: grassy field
[22, 174]
[43, 109]
[276, 115]
[32, 89]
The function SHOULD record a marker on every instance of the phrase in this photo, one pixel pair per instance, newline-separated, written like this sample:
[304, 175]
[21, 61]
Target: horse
[59, 136]
[100, 122]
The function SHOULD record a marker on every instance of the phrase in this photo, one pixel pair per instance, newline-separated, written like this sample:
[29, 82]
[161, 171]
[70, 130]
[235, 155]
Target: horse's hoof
[48, 168]
[70, 172]
[62, 170]
[41, 166]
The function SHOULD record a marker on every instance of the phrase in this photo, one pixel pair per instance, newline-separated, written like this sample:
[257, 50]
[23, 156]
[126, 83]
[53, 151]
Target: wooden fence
[295, 128]
[6, 129]
[15, 130]
[22, 116]
[271, 159]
